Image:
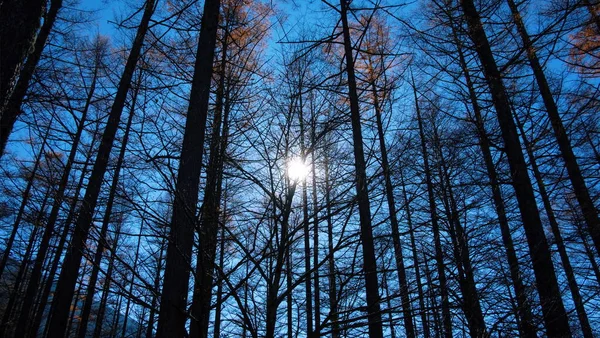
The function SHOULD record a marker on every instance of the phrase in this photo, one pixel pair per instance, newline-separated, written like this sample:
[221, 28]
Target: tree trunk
[333, 302]
[590, 213]
[317, 308]
[562, 250]
[362, 189]
[106, 287]
[91, 290]
[44, 297]
[68, 276]
[439, 255]
[173, 312]
[415, 258]
[389, 192]
[10, 108]
[525, 321]
[555, 316]
[150, 329]
[135, 264]
[19, 23]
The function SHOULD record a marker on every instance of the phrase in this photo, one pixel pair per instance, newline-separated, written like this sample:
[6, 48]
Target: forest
[299, 168]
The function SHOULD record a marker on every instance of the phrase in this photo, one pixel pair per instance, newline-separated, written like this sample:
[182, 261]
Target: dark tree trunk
[202, 296]
[333, 306]
[590, 213]
[362, 189]
[439, 255]
[525, 321]
[555, 317]
[32, 289]
[219, 304]
[173, 312]
[91, 290]
[305, 222]
[106, 287]
[68, 276]
[150, 329]
[562, 250]
[415, 258]
[10, 108]
[19, 24]
[315, 215]
[134, 270]
[389, 191]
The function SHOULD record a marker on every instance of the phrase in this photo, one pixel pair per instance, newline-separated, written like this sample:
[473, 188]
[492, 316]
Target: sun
[297, 170]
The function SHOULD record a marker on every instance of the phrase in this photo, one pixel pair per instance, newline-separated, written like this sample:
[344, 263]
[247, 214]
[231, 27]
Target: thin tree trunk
[590, 213]
[362, 190]
[525, 321]
[135, 264]
[150, 330]
[389, 191]
[305, 223]
[44, 297]
[219, 305]
[439, 255]
[68, 275]
[432, 301]
[24, 201]
[317, 308]
[333, 306]
[411, 231]
[117, 317]
[555, 316]
[173, 312]
[590, 254]
[562, 250]
[386, 291]
[91, 290]
[106, 287]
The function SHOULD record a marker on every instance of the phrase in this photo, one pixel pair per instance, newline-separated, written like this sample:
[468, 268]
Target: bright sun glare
[297, 170]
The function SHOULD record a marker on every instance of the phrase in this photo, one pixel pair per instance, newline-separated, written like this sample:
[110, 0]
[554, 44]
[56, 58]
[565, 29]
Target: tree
[555, 316]
[172, 316]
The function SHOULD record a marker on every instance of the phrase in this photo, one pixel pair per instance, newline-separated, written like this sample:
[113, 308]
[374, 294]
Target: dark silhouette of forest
[254, 168]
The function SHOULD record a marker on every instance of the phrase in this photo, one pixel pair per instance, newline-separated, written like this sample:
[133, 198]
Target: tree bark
[555, 316]
[172, 315]
[100, 247]
[389, 192]
[68, 276]
[590, 213]
[32, 289]
[362, 189]
[19, 23]
[562, 250]
[439, 255]
[11, 105]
